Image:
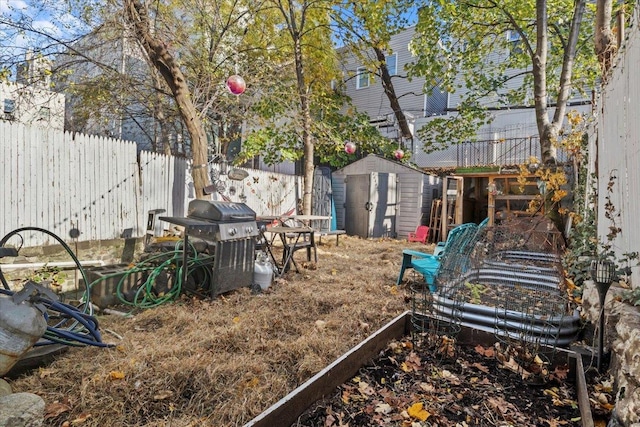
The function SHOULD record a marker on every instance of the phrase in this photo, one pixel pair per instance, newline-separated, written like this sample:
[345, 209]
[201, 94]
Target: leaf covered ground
[449, 385]
[221, 362]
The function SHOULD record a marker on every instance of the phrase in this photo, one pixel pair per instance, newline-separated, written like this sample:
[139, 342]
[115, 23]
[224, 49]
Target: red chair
[421, 234]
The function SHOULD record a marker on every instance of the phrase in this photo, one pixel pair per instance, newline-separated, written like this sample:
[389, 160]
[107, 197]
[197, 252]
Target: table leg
[268, 244]
[287, 253]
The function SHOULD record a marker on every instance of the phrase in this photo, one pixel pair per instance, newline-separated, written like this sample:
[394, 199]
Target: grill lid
[217, 210]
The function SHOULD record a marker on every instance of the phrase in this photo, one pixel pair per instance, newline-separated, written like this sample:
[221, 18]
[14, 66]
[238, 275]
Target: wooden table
[312, 220]
[290, 238]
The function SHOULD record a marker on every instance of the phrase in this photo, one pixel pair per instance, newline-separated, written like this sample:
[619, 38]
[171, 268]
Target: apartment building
[29, 99]
[420, 106]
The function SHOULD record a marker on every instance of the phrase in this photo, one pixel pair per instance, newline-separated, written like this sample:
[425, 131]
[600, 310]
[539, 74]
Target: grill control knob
[249, 229]
[233, 231]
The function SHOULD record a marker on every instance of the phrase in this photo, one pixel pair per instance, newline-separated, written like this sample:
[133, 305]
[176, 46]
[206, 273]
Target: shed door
[370, 205]
[321, 197]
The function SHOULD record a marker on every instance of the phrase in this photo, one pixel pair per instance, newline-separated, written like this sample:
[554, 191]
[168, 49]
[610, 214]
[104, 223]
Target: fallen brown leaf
[481, 367]
[54, 409]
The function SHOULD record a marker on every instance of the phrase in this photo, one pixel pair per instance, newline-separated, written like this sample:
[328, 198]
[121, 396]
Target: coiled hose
[77, 325]
[147, 293]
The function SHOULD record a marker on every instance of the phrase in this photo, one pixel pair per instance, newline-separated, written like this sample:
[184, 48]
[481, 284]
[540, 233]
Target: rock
[5, 388]
[626, 363]
[21, 410]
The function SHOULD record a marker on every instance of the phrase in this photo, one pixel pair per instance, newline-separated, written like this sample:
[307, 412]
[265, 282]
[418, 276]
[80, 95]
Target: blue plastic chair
[423, 263]
[428, 264]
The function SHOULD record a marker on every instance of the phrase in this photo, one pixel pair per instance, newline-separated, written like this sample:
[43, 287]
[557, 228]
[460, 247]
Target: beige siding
[413, 185]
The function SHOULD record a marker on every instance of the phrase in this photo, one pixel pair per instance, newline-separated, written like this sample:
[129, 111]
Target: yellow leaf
[236, 319]
[394, 290]
[405, 367]
[253, 382]
[416, 411]
[116, 375]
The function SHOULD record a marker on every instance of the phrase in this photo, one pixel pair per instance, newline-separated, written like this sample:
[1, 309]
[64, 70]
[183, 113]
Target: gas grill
[229, 230]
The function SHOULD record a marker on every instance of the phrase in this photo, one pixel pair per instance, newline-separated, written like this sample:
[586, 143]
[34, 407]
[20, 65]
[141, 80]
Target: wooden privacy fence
[59, 181]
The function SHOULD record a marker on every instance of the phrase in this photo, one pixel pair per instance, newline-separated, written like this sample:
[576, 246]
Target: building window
[392, 64]
[515, 41]
[363, 78]
[9, 109]
[9, 106]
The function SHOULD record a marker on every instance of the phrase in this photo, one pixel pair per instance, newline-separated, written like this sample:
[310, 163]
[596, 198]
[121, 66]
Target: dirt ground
[221, 362]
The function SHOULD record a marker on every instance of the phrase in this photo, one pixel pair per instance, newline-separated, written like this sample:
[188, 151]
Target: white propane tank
[21, 325]
[263, 271]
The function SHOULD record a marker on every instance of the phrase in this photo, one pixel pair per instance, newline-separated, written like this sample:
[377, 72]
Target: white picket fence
[59, 181]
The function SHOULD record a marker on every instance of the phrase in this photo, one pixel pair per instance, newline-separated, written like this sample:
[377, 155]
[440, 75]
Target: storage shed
[376, 197]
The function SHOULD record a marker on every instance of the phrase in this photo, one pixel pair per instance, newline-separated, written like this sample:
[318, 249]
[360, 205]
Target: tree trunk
[137, 15]
[539, 61]
[548, 129]
[307, 138]
[604, 40]
[391, 95]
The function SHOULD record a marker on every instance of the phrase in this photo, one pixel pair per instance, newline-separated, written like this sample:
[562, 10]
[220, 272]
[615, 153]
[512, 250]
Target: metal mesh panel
[516, 277]
[507, 280]
[437, 315]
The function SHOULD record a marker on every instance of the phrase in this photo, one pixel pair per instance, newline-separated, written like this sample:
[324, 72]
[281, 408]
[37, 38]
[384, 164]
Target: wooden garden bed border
[286, 411]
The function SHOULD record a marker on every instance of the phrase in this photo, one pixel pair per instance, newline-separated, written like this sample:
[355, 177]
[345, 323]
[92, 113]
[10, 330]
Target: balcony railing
[503, 152]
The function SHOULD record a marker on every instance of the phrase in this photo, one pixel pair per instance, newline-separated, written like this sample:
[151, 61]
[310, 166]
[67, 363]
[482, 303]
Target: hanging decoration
[236, 84]
[398, 154]
[349, 147]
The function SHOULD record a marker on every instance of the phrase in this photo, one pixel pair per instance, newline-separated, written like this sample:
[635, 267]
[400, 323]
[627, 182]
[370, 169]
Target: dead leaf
[46, 372]
[416, 411]
[116, 375]
[484, 351]
[320, 324]
[383, 408]
[412, 362]
[447, 346]
[54, 409]
[365, 388]
[481, 367]
[81, 418]
[447, 375]
[554, 422]
[429, 388]
[560, 372]
[165, 394]
[513, 366]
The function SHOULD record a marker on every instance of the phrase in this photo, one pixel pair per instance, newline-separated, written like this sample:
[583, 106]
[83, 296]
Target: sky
[46, 16]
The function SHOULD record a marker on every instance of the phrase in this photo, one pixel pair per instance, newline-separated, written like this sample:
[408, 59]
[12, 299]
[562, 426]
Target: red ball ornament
[349, 148]
[236, 85]
[398, 154]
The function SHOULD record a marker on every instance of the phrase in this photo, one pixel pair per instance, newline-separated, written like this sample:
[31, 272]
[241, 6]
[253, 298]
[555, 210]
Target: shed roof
[384, 162]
